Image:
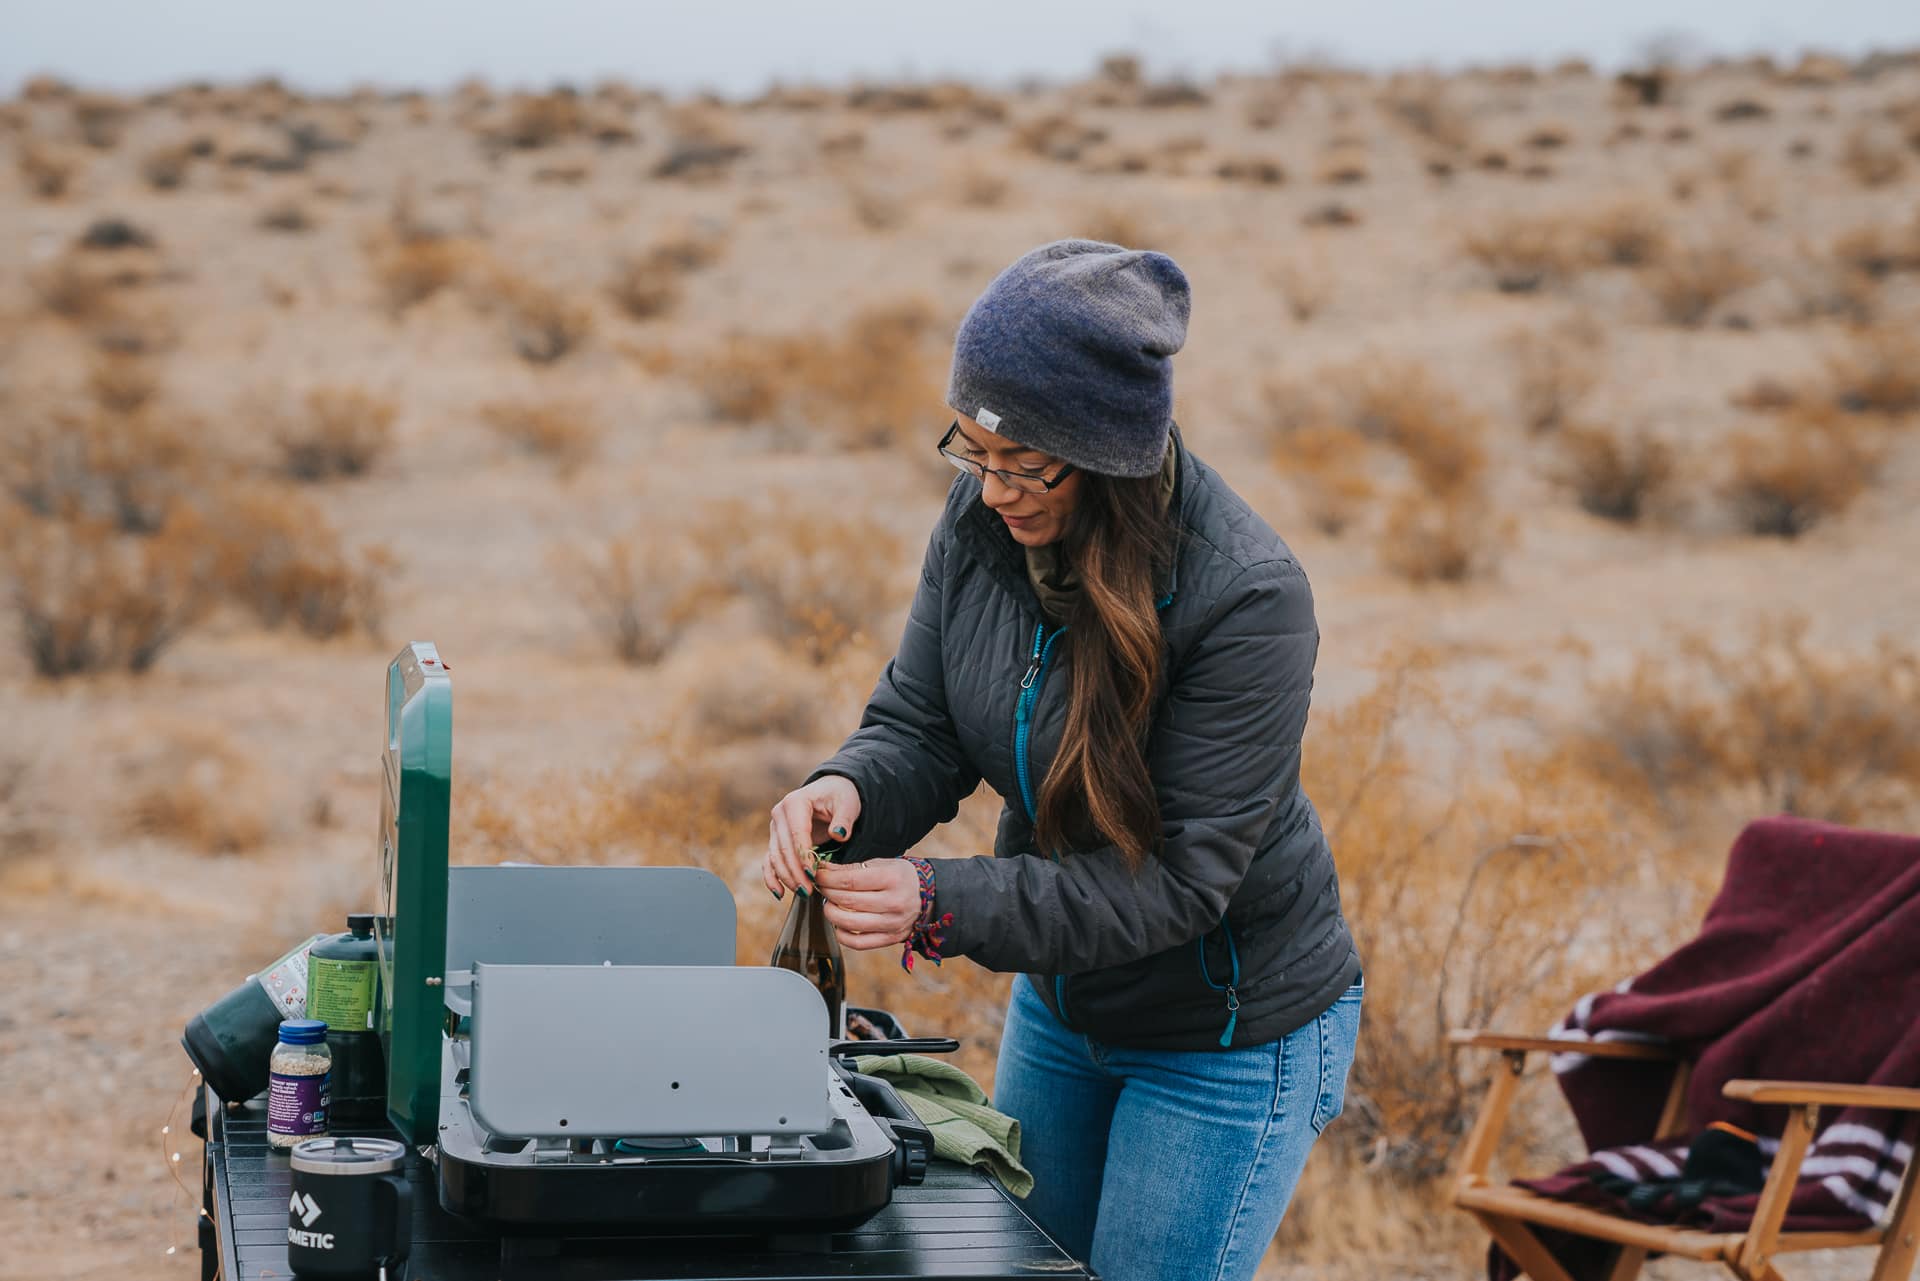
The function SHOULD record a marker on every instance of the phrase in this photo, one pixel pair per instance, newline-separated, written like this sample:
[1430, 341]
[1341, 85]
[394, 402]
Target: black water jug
[351, 1214]
[231, 1040]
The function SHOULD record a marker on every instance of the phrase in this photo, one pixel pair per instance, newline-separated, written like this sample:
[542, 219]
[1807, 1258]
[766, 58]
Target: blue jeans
[1168, 1165]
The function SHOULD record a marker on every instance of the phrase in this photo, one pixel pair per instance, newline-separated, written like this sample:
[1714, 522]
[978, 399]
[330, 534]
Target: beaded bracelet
[928, 933]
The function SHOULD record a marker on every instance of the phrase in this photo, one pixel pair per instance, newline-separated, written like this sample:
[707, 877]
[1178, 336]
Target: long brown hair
[1119, 541]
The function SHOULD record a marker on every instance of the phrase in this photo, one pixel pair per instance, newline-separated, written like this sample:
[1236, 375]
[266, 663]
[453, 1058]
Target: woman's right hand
[823, 810]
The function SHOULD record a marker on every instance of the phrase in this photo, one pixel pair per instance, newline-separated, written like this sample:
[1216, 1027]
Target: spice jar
[299, 1079]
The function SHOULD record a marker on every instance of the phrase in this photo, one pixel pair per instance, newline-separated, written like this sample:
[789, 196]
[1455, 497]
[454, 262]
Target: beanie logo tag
[986, 418]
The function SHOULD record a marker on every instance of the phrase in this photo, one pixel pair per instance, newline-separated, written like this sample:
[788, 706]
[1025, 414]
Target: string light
[173, 1171]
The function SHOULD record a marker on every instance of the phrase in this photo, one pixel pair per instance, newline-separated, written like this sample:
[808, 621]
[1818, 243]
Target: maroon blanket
[1806, 968]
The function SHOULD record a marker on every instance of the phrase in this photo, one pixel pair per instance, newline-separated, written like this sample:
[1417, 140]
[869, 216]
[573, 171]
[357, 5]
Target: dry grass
[333, 431]
[1448, 536]
[1779, 724]
[1615, 476]
[1330, 467]
[1555, 370]
[1523, 252]
[89, 599]
[1879, 250]
[281, 559]
[563, 431]
[979, 188]
[1785, 480]
[1689, 283]
[640, 592]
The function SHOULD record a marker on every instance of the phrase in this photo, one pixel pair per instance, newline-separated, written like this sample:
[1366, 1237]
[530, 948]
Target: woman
[1113, 639]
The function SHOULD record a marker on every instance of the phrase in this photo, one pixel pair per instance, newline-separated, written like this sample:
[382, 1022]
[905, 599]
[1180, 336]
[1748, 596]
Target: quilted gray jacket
[1232, 934]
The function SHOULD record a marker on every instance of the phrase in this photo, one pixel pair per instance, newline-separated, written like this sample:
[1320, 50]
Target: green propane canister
[232, 1040]
[343, 974]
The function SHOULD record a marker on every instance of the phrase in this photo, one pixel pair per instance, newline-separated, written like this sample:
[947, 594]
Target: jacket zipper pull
[1233, 1017]
[1033, 670]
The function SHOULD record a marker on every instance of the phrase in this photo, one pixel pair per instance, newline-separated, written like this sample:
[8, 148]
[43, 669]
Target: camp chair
[1510, 1213]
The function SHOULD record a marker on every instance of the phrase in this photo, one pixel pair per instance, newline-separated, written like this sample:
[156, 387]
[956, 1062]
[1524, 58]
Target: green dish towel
[954, 1107]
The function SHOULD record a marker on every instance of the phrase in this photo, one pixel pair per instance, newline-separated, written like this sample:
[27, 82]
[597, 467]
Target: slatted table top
[958, 1224]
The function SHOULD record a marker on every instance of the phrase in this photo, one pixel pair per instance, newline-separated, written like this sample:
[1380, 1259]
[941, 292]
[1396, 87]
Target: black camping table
[958, 1224]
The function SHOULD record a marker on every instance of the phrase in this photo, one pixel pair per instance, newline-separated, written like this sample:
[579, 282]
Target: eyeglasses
[1024, 481]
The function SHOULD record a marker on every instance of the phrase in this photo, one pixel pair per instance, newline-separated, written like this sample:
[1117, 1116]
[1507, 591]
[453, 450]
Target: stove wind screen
[415, 783]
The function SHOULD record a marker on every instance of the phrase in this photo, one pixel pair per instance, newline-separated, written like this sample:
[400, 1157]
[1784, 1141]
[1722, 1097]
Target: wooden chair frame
[1509, 1213]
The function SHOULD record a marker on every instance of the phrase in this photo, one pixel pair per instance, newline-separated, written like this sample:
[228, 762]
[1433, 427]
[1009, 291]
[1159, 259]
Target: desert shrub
[1444, 537]
[1878, 372]
[1524, 252]
[166, 168]
[1555, 370]
[100, 119]
[279, 558]
[645, 287]
[1261, 171]
[1342, 167]
[565, 432]
[543, 322]
[1057, 136]
[1615, 477]
[189, 784]
[1832, 287]
[1778, 723]
[1872, 157]
[979, 188]
[286, 216]
[1307, 285]
[125, 470]
[89, 599]
[1481, 894]
[73, 288]
[410, 270]
[1423, 106]
[1329, 468]
[332, 431]
[1548, 137]
[752, 690]
[640, 592]
[701, 147]
[865, 387]
[538, 120]
[820, 581]
[874, 209]
[1878, 250]
[1403, 405]
[1785, 480]
[45, 170]
[1628, 233]
[120, 383]
[1117, 226]
[1688, 284]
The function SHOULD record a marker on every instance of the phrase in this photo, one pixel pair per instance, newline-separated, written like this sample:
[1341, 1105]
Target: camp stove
[574, 1046]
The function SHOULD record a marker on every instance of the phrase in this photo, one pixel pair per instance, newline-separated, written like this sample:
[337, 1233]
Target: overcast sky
[737, 46]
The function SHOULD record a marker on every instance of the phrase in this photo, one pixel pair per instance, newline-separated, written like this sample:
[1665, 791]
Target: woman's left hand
[871, 904]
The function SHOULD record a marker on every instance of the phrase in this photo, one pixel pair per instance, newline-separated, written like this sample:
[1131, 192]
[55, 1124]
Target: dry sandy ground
[109, 941]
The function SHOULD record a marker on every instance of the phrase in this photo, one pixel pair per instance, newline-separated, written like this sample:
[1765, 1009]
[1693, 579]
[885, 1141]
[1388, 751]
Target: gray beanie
[1069, 351]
